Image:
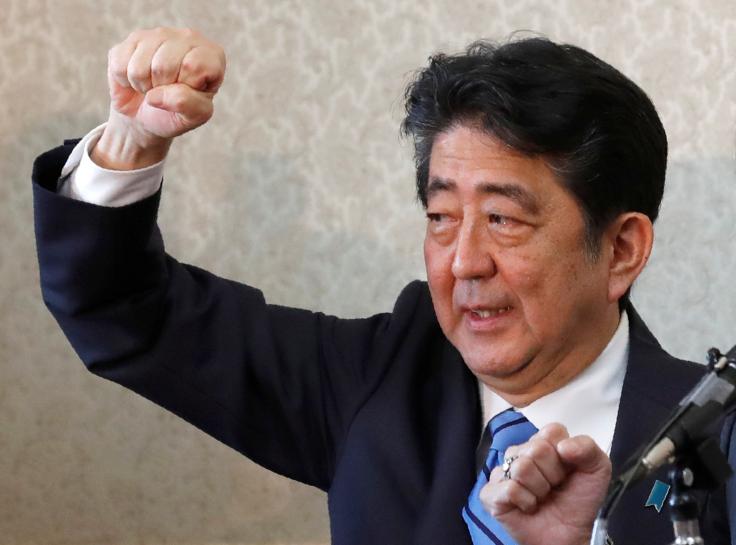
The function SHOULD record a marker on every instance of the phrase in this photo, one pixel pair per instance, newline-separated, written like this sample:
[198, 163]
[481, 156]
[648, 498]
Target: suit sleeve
[279, 385]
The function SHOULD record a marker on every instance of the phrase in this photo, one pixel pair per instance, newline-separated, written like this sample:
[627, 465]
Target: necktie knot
[509, 428]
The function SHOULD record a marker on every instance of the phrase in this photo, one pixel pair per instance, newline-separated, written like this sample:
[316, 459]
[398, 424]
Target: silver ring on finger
[506, 467]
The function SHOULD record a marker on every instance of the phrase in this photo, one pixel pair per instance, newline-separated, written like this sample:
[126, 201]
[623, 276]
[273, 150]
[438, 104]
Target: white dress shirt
[587, 405]
[82, 180]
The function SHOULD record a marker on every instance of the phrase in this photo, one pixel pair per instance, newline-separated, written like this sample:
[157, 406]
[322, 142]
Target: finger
[546, 458]
[554, 433]
[496, 475]
[525, 471]
[117, 61]
[582, 453]
[194, 106]
[139, 65]
[203, 68]
[166, 62]
[502, 497]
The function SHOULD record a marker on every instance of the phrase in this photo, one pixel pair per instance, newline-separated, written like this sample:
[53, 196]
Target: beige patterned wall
[301, 186]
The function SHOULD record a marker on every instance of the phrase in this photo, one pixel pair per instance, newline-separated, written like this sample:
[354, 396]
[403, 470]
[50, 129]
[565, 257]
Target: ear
[631, 236]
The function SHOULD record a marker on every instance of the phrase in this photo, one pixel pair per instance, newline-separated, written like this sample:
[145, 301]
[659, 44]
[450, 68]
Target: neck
[535, 381]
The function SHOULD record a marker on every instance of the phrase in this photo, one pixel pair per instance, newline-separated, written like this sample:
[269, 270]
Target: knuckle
[521, 498]
[179, 98]
[523, 468]
[556, 476]
[586, 442]
[192, 64]
[117, 68]
[160, 69]
[496, 473]
[115, 56]
[137, 72]
[485, 492]
[546, 488]
[539, 449]
[118, 71]
[490, 495]
[556, 427]
[514, 492]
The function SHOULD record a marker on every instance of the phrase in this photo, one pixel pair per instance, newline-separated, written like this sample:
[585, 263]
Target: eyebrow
[510, 190]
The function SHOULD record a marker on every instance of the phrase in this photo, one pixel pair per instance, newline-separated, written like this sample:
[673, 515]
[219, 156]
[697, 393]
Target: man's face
[512, 285]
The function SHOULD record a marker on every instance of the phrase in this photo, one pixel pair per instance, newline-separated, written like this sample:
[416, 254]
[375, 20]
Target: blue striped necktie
[505, 429]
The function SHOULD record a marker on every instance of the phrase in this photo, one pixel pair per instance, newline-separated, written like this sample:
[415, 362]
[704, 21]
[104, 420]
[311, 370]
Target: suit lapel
[653, 385]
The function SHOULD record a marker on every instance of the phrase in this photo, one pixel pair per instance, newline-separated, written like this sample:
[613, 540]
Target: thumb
[194, 106]
[583, 454]
[156, 97]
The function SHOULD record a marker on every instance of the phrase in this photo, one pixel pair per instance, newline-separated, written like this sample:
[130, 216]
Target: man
[541, 169]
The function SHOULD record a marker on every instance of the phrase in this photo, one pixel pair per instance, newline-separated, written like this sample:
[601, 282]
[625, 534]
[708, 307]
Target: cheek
[524, 272]
[539, 282]
[549, 284]
[438, 263]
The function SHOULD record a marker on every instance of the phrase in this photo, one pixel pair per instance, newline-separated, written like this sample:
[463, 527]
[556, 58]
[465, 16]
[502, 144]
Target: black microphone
[686, 427]
[711, 397]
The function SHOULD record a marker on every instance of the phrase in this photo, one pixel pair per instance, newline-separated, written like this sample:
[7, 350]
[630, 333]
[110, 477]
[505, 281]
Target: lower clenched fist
[551, 490]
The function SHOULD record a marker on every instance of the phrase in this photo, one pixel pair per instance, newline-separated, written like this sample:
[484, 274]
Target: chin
[495, 365]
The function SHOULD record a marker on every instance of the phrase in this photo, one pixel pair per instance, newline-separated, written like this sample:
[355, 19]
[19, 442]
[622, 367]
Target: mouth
[487, 318]
[483, 313]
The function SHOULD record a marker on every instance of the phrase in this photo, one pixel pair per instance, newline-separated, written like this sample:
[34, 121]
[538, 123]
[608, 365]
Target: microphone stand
[701, 466]
[684, 507]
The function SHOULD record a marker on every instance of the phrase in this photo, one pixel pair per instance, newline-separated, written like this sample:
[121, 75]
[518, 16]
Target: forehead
[469, 162]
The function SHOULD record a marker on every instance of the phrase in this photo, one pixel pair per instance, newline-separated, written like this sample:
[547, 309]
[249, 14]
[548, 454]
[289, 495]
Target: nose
[473, 257]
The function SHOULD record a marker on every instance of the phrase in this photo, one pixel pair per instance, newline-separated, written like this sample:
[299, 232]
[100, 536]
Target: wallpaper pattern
[301, 186]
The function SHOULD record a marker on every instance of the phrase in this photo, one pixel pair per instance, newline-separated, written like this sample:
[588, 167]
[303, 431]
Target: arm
[279, 385]
[81, 179]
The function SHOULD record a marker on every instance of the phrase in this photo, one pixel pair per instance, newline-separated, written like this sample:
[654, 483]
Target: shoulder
[413, 313]
[664, 377]
[414, 298]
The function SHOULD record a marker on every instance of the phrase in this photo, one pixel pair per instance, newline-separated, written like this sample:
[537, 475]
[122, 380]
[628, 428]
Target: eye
[440, 224]
[502, 221]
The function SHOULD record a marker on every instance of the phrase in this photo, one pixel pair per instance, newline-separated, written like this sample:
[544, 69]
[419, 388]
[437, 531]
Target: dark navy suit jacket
[379, 412]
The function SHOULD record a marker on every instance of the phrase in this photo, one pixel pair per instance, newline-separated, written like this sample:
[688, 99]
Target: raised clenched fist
[162, 84]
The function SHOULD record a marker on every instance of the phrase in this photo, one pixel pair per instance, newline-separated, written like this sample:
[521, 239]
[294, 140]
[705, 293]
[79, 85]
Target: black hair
[595, 128]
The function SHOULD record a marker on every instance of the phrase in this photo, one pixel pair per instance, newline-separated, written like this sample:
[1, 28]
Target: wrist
[121, 147]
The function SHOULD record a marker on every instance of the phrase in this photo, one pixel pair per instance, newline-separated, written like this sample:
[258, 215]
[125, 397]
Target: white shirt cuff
[81, 179]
